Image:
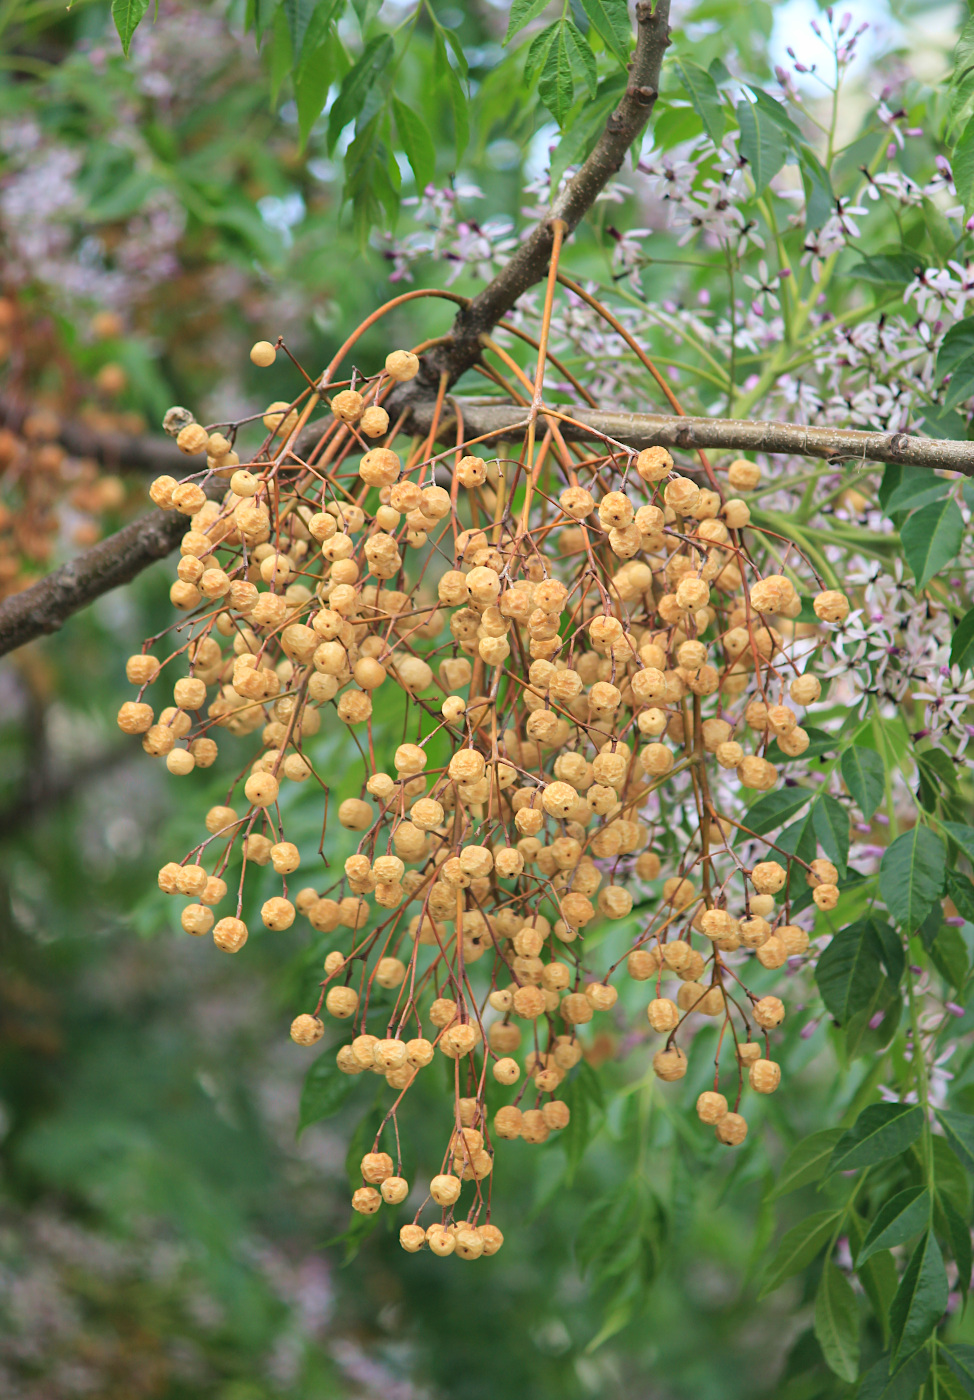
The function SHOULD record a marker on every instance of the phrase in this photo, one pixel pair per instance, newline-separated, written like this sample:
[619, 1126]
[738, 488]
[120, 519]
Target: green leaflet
[865, 776]
[849, 970]
[763, 144]
[806, 1162]
[799, 1247]
[522, 13]
[897, 1221]
[962, 835]
[830, 820]
[775, 808]
[837, 1323]
[416, 142]
[911, 876]
[610, 19]
[931, 537]
[704, 97]
[920, 1301]
[128, 15]
[881, 1131]
[959, 1130]
[962, 643]
[324, 1091]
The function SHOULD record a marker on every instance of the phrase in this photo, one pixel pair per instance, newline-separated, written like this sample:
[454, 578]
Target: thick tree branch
[47, 604]
[639, 430]
[530, 263]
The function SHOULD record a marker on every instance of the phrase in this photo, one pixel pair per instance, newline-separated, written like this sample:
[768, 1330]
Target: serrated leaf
[447, 77]
[128, 15]
[837, 1323]
[882, 1131]
[921, 1299]
[799, 1247]
[775, 808]
[911, 876]
[324, 1091]
[931, 538]
[898, 1220]
[959, 1132]
[776, 113]
[961, 892]
[960, 1359]
[959, 1239]
[886, 268]
[416, 142]
[878, 1384]
[848, 971]
[556, 80]
[864, 775]
[962, 835]
[763, 144]
[610, 19]
[311, 85]
[580, 47]
[806, 1162]
[962, 643]
[356, 85]
[704, 97]
[522, 13]
[831, 822]
[916, 488]
[949, 956]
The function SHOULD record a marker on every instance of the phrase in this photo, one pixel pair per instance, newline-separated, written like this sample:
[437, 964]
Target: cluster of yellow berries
[595, 671]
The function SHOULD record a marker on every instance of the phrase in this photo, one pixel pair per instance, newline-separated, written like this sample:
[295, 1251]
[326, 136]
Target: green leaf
[806, 1162]
[831, 822]
[318, 32]
[921, 1299]
[848, 971]
[949, 955]
[881, 1131]
[356, 85]
[763, 144]
[298, 15]
[819, 195]
[959, 1131]
[962, 166]
[911, 876]
[886, 268]
[959, 1239]
[898, 1220]
[931, 537]
[127, 15]
[775, 808]
[556, 79]
[416, 142]
[775, 112]
[704, 97]
[522, 13]
[961, 835]
[956, 358]
[610, 19]
[583, 55]
[446, 76]
[865, 776]
[324, 1092]
[962, 644]
[937, 778]
[960, 100]
[819, 742]
[311, 84]
[961, 892]
[960, 1359]
[799, 1247]
[916, 488]
[837, 1323]
[878, 1384]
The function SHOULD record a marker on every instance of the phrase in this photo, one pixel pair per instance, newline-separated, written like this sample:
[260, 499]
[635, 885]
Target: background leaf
[931, 537]
[763, 144]
[911, 875]
[837, 1323]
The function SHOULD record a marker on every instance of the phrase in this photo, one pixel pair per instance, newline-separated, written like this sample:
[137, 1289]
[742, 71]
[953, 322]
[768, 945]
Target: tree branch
[47, 604]
[639, 430]
[140, 452]
[530, 263]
